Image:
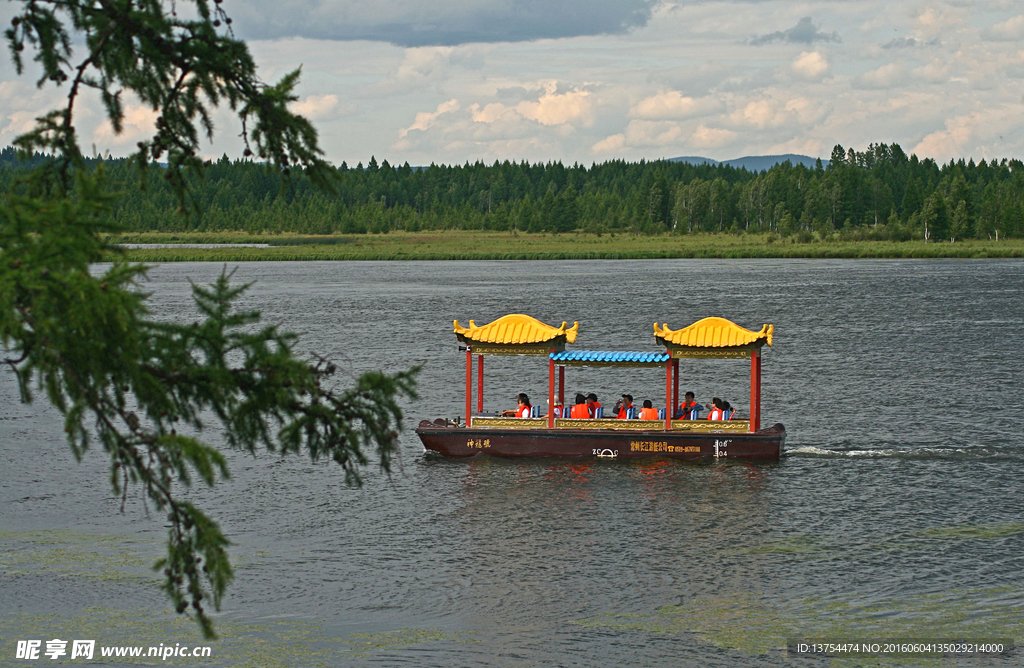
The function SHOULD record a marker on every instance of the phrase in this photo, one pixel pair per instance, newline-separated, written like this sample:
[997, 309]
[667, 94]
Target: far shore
[479, 245]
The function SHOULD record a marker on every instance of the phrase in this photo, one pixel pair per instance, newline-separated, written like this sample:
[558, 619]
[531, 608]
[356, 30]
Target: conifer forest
[880, 193]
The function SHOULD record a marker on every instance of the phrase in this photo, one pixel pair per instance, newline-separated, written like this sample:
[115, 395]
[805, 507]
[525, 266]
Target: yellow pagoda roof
[515, 329]
[713, 333]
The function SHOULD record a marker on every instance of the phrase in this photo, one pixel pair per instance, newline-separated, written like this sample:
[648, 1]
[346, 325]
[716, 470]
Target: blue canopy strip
[608, 358]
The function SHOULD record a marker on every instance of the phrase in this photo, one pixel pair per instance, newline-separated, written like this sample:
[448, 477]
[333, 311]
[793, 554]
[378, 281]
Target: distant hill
[752, 163]
[694, 160]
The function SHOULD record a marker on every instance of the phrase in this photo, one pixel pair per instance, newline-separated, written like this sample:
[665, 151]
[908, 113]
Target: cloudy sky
[590, 80]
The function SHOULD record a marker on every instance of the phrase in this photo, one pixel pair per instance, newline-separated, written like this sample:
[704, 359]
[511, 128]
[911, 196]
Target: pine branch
[88, 342]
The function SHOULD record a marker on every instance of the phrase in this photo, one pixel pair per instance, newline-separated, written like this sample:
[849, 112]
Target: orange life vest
[716, 414]
[523, 411]
[623, 412]
[580, 412]
[648, 413]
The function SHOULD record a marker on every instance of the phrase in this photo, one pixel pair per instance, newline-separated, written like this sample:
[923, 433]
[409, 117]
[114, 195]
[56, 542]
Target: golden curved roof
[713, 333]
[515, 329]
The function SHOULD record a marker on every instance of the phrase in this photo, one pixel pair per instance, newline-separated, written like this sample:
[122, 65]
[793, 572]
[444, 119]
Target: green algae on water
[973, 531]
[808, 546]
[754, 626]
[77, 554]
[261, 644]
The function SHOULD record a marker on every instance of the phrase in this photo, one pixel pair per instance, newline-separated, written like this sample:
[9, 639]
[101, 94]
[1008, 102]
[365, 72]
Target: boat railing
[490, 422]
[711, 425]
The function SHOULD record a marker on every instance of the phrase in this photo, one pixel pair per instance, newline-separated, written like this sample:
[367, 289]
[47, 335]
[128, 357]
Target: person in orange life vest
[648, 412]
[580, 411]
[623, 405]
[715, 412]
[559, 409]
[522, 410]
[689, 409]
[593, 404]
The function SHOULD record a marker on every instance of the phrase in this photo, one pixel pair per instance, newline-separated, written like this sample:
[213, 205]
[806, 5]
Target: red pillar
[668, 393]
[675, 385]
[469, 385]
[755, 389]
[561, 386]
[479, 384]
[551, 392]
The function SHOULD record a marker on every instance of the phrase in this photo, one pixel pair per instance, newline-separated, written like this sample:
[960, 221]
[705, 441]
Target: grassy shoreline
[474, 245]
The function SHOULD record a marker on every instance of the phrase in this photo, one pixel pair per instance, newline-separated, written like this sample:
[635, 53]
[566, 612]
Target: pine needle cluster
[141, 388]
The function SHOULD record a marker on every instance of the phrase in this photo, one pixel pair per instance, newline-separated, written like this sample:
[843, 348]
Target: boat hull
[457, 441]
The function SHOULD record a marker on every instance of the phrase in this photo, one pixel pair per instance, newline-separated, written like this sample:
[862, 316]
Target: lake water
[896, 513]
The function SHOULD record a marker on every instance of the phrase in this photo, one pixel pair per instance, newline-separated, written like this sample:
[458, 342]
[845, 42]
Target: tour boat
[607, 437]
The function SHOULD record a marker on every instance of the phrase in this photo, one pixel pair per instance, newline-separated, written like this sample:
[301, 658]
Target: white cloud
[490, 113]
[22, 104]
[555, 108]
[419, 68]
[950, 141]
[1009, 30]
[422, 63]
[609, 144]
[640, 133]
[760, 113]
[425, 119]
[652, 133]
[17, 123]
[810, 65]
[139, 123]
[774, 112]
[799, 145]
[705, 137]
[317, 107]
[889, 75]
[688, 73]
[936, 71]
[671, 104]
[936, 20]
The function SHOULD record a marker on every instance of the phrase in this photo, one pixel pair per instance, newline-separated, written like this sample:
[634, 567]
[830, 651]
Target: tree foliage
[855, 194]
[142, 388]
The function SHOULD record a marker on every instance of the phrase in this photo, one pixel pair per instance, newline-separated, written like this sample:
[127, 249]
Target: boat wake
[915, 452]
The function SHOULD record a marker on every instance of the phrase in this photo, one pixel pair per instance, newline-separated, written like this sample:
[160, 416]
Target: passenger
[689, 409]
[727, 410]
[593, 404]
[648, 412]
[580, 411]
[624, 407]
[558, 408]
[715, 411]
[522, 410]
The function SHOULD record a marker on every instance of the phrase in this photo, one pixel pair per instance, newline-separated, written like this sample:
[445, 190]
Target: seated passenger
[580, 411]
[715, 411]
[648, 412]
[594, 405]
[624, 409]
[689, 409]
[727, 410]
[522, 410]
[558, 408]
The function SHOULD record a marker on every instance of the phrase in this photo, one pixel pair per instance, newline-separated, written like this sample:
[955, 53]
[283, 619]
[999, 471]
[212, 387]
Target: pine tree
[127, 381]
[935, 217]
